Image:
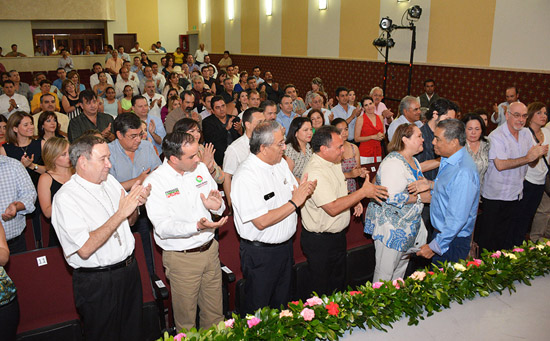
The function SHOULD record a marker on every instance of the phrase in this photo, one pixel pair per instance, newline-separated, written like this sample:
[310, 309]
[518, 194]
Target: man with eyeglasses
[512, 150]
[132, 160]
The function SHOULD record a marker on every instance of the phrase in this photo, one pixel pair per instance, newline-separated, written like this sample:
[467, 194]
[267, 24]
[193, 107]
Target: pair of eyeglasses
[518, 115]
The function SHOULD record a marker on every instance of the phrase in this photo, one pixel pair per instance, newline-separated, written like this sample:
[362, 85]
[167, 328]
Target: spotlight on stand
[386, 24]
[383, 42]
[414, 12]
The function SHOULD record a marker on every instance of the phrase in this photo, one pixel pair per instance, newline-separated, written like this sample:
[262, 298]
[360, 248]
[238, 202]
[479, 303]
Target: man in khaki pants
[541, 222]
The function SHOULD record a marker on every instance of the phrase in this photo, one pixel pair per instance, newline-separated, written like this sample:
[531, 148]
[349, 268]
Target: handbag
[547, 180]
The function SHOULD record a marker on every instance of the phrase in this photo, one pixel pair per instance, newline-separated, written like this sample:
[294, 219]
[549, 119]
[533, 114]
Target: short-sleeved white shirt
[258, 187]
[235, 154]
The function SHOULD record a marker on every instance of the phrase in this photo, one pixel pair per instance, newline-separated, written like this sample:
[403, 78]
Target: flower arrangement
[380, 304]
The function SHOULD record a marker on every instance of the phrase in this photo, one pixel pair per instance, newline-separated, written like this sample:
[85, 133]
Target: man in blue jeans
[455, 195]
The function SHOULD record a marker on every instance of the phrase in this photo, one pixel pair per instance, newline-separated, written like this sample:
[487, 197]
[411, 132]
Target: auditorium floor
[524, 315]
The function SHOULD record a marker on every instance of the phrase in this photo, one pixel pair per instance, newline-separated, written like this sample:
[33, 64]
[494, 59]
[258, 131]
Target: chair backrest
[44, 288]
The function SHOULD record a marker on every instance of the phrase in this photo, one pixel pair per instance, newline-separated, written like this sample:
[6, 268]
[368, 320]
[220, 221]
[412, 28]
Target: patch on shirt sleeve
[172, 192]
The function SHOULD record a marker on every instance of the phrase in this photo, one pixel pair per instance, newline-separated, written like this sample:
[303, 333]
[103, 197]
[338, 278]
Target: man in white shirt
[11, 102]
[239, 150]
[136, 48]
[156, 101]
[125, 80]
[316, 102]
[92, 214]
[182, 202]
[160, 47]
[158, 76]
[65, 61]
[123, 55]
[265, 198]
[134, 77]
[344, 110]
[148, 75]
[499, 111]
[409, 112]
[200, 53]
[97, 68]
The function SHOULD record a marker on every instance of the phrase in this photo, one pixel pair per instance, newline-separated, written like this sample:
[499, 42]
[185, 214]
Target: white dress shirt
[235, 154]
[157, 77]
[257, 188]
[119, 88]
[20, 100]
[174, 206]
[155, 110]
[81, 207]
[94, 80]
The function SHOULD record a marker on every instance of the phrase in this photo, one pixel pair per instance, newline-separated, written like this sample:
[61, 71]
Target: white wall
[402, 49]
[233, 28]
[521, 43]
[323, 29]
[16, 32]
[120, 25]
[172, 22]
[270, 29]
[205, 30]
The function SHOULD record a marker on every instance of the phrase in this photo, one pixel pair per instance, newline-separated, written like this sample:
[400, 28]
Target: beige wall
[57, 10]
[16, 32]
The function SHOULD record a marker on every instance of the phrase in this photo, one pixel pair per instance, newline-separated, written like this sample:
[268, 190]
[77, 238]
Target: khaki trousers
[541, 227]
[195, 279]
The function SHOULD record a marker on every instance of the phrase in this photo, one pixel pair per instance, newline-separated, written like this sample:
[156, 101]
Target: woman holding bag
[396, 224]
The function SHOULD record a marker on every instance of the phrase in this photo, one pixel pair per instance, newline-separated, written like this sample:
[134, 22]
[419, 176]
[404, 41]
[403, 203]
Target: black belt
[15, 239]
[128, 261]
[260, 244]
[202, 248]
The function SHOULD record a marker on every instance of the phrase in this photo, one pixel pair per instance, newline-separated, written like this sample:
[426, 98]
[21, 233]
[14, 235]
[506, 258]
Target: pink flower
[308, 314]
[285, 313]
[179, 337]
[431, 272]
[229, 323]
[313, 301]
[396, 282]
[518, 249]
[532, 248]
[355, 292]
[496, 254]
[253, 321]
[548, 243]
[377, 285]
[332, 308]
[478, 261]
[441, 269]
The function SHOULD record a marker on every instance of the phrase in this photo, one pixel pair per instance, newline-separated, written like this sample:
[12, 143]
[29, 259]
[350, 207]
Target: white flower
[459, 267]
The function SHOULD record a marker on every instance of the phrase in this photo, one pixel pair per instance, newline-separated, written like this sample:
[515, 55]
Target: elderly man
[265, 197]
[155, 128]
[158, 76]
[11, 102]
[499, 111]
[156, 100]
[65, 61]
[239, 150]
[512, 151]
[45, 87]
[148, 76]
[409, 112]
[92, 215]
[48, 103]
[455, 195]
[316, 102]
[132, 160]
[182, 202]
[114, 64]
[125, 80]
[90, 118]
[429, 96]
[326, 214]
[345, 110]
[298, 105]
[17, 199]
[270, 110]
[286, 115]
[219, 129]
[381, 110]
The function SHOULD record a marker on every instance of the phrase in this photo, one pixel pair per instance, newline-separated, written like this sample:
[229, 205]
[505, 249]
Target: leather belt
[128, 261]
[202, 248]
[260, 244]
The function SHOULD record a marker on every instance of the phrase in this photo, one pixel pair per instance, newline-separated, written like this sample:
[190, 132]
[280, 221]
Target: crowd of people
[148, 148]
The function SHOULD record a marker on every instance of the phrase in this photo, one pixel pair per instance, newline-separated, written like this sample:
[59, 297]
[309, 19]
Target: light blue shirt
[16, 185]
[285, 120]
[123, 169]
[455, 197]
[339, 112]
[397, 122]
[159, 130]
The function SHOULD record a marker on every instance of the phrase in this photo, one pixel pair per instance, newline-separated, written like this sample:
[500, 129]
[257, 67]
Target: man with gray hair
[455, 195]
[91, 215]
[265, 198]
[409, 112]
[316, 102]
[155, 100]
[381, 110]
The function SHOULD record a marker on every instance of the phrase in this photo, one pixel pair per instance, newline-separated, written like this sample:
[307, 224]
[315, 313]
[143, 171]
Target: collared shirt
[455, 197]
[174, 206]
[62, 119]
[428, 152]
[331, 185]
[397, 122]
[537, 174]
[235, 154]
[506, 185]
[257, 188]
[298, 104]
[142, 81]
[81, 207]
[340, 112]
[81, 123]
[285, 120]
[159, 130]
[124, 56]
[113, 64]
[35, 102]
[121, 84]
[199, 55]
[16, 185]
[159, 77]
[20, 100]
[155, 111]
[123, 169]
[259, 80]
[501, 115]
[62, 62]
[326, 114]
[94, 80]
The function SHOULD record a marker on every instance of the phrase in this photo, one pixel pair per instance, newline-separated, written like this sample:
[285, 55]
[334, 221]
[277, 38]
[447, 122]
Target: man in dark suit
[427, 98]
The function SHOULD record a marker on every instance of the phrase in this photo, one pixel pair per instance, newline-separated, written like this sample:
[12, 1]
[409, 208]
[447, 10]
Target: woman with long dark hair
[298, 151]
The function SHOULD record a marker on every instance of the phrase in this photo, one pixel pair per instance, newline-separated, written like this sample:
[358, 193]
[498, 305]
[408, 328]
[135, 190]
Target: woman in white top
[533, 185]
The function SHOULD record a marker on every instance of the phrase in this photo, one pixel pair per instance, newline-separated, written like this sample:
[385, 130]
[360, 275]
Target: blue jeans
[458, 249]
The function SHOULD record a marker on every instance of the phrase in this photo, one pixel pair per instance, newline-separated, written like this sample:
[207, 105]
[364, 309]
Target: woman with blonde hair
[58, 171]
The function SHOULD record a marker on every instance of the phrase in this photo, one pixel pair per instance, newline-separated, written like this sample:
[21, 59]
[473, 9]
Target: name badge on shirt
[269, 196]
[200, 181]
[172, 192]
